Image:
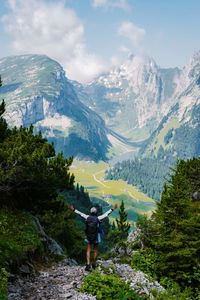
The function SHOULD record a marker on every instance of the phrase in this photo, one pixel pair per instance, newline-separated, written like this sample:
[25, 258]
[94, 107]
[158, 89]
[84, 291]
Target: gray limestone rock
[105, 263]
[139, 281]
[24, 269]
[63, 281]
[126, 248]
[83, 296]
[71, 262]
[52, 245]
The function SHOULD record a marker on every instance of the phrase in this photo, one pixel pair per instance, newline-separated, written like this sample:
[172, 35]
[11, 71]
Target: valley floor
[92, 176]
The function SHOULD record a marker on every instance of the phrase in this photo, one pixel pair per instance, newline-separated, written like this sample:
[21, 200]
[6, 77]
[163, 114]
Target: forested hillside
[147, 174]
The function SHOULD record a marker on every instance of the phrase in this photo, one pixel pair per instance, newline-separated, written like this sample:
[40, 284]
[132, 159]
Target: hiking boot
[94, 266]
[88, 268]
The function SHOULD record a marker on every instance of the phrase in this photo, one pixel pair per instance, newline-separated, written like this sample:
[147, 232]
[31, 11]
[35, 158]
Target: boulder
[51, 245]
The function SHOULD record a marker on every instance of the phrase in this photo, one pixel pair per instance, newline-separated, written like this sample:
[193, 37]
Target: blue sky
[89, 36]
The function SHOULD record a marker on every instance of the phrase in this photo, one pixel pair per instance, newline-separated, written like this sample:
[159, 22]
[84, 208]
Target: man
[92, 232]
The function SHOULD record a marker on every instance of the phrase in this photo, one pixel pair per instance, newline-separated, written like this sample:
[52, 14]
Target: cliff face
[114, 114]
[178, 134]
[133, 98]
[37, 92]
[140, 101]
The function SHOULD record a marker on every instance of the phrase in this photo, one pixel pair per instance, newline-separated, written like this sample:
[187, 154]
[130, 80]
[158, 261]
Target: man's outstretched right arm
[84, 216]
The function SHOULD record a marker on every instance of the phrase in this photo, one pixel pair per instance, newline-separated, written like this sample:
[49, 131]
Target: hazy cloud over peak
[53, 29]
[133, 33]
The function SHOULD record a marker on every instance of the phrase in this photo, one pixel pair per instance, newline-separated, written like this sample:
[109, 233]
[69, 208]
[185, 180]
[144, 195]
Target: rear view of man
[92, 232]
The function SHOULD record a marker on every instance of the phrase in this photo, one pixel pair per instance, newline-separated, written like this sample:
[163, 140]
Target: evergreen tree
[113, 226]
[174, 229]
[3, 124]
[122, 224]
[31, 175]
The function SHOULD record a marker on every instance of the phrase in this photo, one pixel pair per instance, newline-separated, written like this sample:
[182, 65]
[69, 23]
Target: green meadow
[92, 176]
[172, 124]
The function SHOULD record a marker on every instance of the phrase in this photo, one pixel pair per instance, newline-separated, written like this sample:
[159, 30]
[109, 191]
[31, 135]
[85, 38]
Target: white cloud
[133, 33]
[124, 49]
[99, 3]
[52, 29]
[115, 60]
[111, 3]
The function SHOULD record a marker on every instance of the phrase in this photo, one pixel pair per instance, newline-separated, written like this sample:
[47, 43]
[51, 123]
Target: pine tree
[31, 175]
[122, 224]
[176, 225]
[3, 124]
[113, 226]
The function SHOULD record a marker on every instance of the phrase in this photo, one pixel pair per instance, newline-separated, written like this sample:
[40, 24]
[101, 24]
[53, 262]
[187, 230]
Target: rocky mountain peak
[129, 102]
[191, 71]
[137, 72]
[138, 62]
[195, 59]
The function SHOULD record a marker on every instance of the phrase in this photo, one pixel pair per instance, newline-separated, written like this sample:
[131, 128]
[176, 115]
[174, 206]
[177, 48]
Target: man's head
[93, 211]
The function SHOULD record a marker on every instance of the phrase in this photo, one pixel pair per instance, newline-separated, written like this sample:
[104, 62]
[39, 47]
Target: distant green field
[92, 176]
[172, 124]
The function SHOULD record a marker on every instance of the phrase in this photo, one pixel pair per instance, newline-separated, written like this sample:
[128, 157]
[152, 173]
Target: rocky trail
[61, 281]
[64, 279]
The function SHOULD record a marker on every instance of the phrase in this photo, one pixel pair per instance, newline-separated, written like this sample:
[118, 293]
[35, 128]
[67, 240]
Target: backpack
[92, 224]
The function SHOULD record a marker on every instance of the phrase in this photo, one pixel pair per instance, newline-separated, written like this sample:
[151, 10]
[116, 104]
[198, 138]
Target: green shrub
[137, 245]
[145, 262]
[114, 237]
[18, 236]
[173, 291]
[3, 281]
[107, 287]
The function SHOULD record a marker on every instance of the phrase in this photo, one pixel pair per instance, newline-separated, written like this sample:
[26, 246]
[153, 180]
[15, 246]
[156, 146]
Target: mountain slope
[133, 98]
[136, 105]
[158, 107]
[37, 92]
[178, 134]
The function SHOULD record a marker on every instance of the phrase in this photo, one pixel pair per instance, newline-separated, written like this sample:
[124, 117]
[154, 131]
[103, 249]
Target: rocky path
[61, 281]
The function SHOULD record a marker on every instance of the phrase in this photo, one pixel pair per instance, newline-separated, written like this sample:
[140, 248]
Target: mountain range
[36, 91]
[136, 108]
